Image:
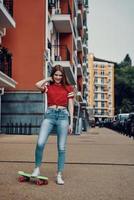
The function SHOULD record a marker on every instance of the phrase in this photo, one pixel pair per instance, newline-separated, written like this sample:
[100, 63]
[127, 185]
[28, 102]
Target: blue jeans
[60, 119]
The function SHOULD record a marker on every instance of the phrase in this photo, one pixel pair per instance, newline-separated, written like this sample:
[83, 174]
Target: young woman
[60, 100]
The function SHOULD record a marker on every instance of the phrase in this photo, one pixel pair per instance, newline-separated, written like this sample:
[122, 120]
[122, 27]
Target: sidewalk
[100, 166]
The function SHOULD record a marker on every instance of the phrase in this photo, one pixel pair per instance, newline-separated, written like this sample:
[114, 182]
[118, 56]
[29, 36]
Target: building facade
[6, 22]
[101, 88]
[48, 32]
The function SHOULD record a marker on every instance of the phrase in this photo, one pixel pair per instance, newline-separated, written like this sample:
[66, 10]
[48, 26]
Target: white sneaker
[59, 179]
[36, 172]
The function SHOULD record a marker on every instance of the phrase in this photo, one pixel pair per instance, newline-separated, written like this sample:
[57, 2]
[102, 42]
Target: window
[102, 80]
[96, 80]
[102, 72]
[95, 72]
[96, 96]
[102, 104]
[96, 103]
[102, 96]
[96, 88]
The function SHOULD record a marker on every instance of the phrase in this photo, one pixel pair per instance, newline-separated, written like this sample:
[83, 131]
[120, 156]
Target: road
[99, 166]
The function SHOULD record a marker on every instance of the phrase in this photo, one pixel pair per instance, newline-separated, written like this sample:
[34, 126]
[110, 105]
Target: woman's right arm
[41, 84]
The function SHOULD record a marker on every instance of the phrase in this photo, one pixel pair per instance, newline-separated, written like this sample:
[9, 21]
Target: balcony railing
[5, 61]
[9, 6]
[64, 8]
[61, 53]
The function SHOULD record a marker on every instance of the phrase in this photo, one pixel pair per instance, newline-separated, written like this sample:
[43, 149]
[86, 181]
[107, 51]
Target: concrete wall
[22, 110]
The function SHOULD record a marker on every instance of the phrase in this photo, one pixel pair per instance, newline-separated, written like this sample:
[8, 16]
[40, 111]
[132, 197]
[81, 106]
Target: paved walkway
[100, 166]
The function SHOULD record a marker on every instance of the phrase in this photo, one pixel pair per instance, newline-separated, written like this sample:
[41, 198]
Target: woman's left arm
[71, 111]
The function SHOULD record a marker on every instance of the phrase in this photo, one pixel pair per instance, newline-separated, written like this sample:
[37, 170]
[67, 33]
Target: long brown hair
[64, 80]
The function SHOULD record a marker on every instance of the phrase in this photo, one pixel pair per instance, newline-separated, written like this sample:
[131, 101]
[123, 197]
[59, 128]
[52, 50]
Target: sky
[111, 29]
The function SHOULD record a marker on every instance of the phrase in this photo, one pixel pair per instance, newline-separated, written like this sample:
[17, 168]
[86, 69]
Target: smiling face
[57, 77]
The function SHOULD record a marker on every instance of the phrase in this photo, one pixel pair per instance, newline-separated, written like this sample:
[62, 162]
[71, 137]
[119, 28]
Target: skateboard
[26, 177]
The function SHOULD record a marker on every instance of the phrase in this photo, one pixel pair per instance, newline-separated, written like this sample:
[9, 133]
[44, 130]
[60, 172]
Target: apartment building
[101, 88]
[48, 32]
[6, 22]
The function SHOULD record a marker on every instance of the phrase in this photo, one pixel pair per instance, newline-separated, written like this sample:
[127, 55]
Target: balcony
[79, 97]
[85, 63]
[61, 56]
[85, 46]
[79, 19]
[75, 30]
[62, 19]
[6, 81]
[6, 69]
[85, 49]
[61, 53]
[85, 32]
[84, 83]
[79, 70]
[79, 44]
[75, 58]
[5, 61]
[62, 23]
[86, 93]
[6, 12]
[101, 75]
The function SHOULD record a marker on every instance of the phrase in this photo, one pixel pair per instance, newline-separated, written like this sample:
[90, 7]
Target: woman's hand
[41, 84]
[70, 129]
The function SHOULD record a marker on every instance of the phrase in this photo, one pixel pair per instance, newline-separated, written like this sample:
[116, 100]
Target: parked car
[114, 122]
[121, 119]
[129, 125]
[92, 122]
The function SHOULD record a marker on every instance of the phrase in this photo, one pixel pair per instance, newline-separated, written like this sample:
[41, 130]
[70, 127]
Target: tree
[126, 61]
[124, 89]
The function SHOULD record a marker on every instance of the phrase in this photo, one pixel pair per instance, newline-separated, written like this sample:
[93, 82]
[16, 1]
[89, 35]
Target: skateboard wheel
[45, 182]
[23, 179]
[41, 182]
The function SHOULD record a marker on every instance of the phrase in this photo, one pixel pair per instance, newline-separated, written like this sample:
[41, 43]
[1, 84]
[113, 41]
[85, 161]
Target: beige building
[101, 87]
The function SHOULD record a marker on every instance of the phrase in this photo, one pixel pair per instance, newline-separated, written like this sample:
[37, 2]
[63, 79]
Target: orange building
[48, 32]
[101, 88]
[6, 22]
